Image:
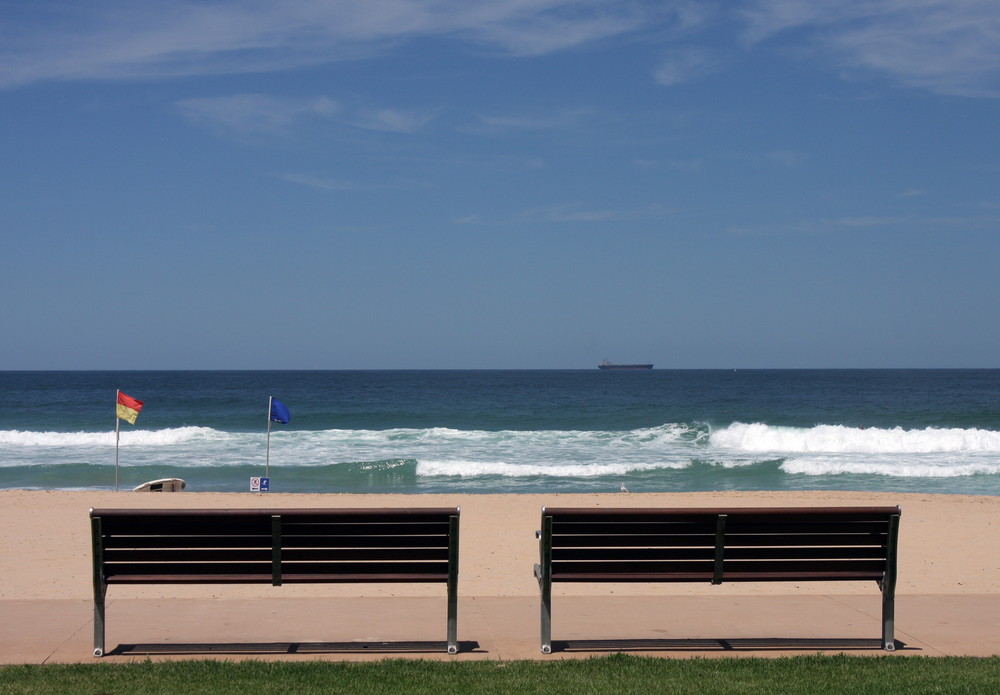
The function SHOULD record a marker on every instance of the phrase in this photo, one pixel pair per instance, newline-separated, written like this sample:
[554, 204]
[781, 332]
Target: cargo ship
[608, 365]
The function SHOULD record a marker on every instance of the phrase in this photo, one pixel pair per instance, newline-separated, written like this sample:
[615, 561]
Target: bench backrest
[275, 545]
[717, 545]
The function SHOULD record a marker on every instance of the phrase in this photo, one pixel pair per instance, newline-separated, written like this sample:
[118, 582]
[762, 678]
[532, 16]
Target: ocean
[932, 431]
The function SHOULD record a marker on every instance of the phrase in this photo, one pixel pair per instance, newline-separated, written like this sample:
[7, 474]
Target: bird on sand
[624, 489]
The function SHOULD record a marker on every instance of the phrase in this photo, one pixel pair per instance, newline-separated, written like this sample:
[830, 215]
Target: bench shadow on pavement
[288, 648]
[721, 644]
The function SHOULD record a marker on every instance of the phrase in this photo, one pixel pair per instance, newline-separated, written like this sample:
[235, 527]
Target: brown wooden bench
[274, 546]
[719, 545]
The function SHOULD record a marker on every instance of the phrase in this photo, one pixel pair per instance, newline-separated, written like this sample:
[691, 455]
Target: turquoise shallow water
[510, 431]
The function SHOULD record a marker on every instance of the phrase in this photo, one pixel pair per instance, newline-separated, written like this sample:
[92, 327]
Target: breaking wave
[165, 437]
[760, 438]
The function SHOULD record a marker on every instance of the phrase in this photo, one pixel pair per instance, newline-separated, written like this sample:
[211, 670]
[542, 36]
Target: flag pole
[267, 457]
[118, 425]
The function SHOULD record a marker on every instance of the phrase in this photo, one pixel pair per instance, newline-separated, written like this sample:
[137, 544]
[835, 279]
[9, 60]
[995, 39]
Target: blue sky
[499, 184]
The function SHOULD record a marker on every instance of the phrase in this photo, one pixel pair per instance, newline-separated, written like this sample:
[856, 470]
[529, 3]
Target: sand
[949, 544]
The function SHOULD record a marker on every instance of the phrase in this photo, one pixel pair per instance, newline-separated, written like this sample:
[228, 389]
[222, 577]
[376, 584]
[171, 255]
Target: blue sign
[260, 484]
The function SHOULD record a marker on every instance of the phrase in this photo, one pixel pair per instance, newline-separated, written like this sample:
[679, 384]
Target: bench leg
[452, 623]
[546, 604]
[99, 596]
[888, 621]
[545, 586]
[543, 573]
[888, 587]
[100, 587]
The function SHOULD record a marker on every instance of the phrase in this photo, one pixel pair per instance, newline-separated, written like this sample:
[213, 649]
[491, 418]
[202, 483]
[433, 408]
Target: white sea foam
[760, 438]
[543, 447]
[891, 467]
[467, 468]
[165, 437]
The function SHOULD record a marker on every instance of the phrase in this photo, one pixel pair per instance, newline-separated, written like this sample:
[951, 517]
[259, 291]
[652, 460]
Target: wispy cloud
[248, 114]
[327, 183]
[766, 18]
[875, 223]
[688, 64]
[121, 39]
[567, 118]
[944, 46]
[319, 182]
[392, 120]
[786, 158]
[570, 213]
[262, 114]
[686, 166]
[535, 28]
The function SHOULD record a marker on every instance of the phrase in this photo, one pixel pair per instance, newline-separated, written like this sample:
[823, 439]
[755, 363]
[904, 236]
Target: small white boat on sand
[161, 485]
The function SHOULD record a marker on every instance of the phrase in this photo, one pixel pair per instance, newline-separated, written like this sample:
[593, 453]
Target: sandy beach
[949, 580]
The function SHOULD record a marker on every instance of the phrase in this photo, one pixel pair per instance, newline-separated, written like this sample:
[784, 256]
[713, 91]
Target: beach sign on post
[276, 412]
[127, 408]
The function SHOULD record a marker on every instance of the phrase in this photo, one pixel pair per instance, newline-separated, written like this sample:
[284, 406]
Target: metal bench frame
[719, 545]
[274, 546]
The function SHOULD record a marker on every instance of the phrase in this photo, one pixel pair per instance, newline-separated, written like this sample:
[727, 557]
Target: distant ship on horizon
[608, 365]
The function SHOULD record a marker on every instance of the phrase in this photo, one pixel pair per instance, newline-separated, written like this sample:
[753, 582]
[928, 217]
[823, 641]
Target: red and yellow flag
[128, 408]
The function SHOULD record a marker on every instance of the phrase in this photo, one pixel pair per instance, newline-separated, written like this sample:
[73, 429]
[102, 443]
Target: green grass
[619, 673]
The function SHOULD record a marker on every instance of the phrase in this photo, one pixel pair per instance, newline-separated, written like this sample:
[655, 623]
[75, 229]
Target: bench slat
[652, 541]
[699, 576]
[114, 573]
[734, 526]
[259, 541]
[187, 526]
[344, 578]
[701, 514]
[167, 555]
[241, 522]
[345, 541]
[347, 578]
[629, 567]
[705, 553]
[236, 526]
[321, 515]
[355, 554]
[182, 554]
[415, 528]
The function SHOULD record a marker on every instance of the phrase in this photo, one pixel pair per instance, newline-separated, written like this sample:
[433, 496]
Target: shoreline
[940, 549]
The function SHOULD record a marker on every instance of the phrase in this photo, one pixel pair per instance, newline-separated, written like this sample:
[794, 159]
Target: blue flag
[279, 412]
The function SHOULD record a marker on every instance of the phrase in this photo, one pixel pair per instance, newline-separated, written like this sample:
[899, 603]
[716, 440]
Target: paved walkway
[61, 631]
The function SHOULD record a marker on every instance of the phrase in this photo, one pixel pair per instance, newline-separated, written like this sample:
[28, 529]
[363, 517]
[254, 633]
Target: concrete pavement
[497, 628]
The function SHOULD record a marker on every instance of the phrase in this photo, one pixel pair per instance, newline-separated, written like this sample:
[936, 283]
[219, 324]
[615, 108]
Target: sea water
[934, 431]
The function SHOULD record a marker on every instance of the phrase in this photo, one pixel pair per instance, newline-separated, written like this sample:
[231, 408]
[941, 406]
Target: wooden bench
[719, 545]
[274, 546]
